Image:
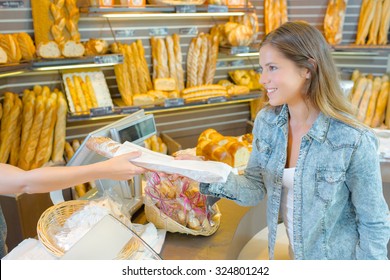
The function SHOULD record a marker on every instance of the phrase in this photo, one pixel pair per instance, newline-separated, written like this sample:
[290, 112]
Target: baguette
[45, 136]
[384, 23]
[138, 67]
[153, 45]
[59, 22]
[123, 83]
[103, 146]
[374, 28]
[69, 152]
[73, 95]
[373, 100]
[190, 60]
[27, 119]
[366, 16]
[9, 135]
[381, 105]
[202, 88]
[360, 88]
[60, 130]
[202, 63]
[79, 93]
[133, 75]
[204, 93]
[9, 100]
[88, 98]
[171, 58]
[364, 101]
[144, 66]
[192, 73]
[212, 59]
[178, 62]
[91, 91]
[28, 153]
[72, 20]
[162, 59]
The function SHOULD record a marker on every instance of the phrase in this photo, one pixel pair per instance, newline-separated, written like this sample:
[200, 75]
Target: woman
[47, 179]
[316, 163]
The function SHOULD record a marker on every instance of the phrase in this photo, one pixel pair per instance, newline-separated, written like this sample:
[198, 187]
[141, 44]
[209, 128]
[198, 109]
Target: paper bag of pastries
[175, 204]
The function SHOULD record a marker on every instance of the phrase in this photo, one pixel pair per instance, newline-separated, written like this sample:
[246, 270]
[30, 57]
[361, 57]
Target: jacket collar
[318, 131]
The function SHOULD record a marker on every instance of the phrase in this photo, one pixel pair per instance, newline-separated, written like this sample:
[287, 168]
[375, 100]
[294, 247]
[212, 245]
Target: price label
[158, 31]
[188, 31]
[124, 33]
[237, 63]
[101, 111]
[172, 102]
[186, 9]
[104, 59]
[129, 110]
[11, 4]
[240, 49]
[221, 64]
[217, 9]
[216, 99]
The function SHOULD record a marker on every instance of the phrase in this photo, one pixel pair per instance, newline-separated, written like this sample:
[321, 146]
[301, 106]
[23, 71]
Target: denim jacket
[339, 208]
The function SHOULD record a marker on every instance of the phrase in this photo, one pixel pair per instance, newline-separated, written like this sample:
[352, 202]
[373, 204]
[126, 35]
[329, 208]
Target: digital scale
[135, 128]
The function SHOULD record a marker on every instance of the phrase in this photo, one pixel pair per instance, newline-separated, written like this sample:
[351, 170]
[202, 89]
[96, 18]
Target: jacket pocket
[263, 152]
[328, 182]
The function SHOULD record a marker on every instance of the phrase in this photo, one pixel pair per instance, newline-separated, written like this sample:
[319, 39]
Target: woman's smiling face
[283, 80]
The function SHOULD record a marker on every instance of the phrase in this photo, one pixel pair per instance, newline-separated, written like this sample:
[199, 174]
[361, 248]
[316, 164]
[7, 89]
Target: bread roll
[96, 47]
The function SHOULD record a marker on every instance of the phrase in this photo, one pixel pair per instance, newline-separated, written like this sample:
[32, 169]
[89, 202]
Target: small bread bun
[73, 49]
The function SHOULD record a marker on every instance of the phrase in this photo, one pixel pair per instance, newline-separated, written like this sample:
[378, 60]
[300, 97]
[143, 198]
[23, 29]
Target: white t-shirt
[287, 203]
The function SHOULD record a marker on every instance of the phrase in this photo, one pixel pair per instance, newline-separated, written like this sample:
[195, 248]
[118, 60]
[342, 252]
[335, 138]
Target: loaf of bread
[48, 50]
[212, 59]
[96, 47]
[203, 58]
[142, 99]
[72, 49]
[144, 66]
[361, 114]
[374, 28]
[103, 146]
[171, 58]
[334, 21]
[178, 62]
[165, 84]
[366, 16]
[234, 151]
[9, 44]
[72, 19]
[3, 56]
[162, 59]
[26, 45]
[382, 102]
[373, 99]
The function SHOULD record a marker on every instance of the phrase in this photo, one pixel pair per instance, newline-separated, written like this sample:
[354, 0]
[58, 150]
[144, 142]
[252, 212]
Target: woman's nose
[263, 78]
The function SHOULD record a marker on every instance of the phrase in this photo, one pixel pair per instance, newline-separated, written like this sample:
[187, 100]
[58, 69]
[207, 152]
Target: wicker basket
[55, 217]
[160, 220]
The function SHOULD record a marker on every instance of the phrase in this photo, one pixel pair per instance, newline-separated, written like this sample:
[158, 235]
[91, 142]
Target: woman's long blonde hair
[306, 47]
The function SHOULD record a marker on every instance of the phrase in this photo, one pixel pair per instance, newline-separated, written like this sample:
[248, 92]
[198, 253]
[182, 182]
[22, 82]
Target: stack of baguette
[33, 128]
[370, 97]
[374, 22]
[16, 47]
[275, 14]
[82, 93]
[56, 28]
[234, 151]
[202, 59]
[133, 77]
[334, 21]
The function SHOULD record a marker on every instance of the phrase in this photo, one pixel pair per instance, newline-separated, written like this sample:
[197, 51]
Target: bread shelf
[121, 111]
[14, 69]
[157, 12]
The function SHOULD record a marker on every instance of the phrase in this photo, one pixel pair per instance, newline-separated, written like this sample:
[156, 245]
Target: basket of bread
[62, 225]
[174, 203]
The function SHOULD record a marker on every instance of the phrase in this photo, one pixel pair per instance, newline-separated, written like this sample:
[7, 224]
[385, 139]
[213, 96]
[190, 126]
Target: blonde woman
[315, 163]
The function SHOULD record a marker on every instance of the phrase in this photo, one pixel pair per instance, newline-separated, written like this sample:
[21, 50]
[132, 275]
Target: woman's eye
[272, 68]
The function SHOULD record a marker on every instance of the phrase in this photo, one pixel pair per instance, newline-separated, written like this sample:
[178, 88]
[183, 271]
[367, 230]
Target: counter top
[178, 246]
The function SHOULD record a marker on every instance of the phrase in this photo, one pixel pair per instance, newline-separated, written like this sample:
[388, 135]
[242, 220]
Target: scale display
[136, 132]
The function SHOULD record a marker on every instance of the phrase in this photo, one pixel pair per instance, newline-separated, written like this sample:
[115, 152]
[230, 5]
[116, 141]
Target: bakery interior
[167, 73]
